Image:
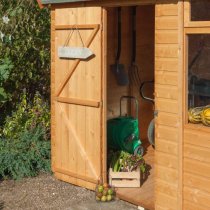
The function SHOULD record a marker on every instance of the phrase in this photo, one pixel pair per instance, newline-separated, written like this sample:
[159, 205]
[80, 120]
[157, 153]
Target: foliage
[123, 161]
[27, 116]
[24, 144]
[25, 43]
[24, 68]
[27, 156]
[5, 68]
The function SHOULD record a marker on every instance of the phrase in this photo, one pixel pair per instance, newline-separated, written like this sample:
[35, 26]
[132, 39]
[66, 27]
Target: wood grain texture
[78, 110]
[197, 197]
[196, 139]
[189, 205]
[143, 196]
[168, 68]
[52, 77]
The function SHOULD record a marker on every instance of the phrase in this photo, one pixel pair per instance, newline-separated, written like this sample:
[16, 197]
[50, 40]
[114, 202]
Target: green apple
[110, 192]
[100, 188]
[109, 197]
[103, 199]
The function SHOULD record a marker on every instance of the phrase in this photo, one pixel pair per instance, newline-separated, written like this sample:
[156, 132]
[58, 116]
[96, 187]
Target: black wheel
[151, 132]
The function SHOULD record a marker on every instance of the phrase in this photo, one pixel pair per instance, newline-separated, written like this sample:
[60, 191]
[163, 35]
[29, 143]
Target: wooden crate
[125, 179]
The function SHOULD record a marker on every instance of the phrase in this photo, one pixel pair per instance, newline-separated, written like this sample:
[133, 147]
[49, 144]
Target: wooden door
[77, 97]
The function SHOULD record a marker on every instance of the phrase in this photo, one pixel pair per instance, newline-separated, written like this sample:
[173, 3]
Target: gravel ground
[46, 192]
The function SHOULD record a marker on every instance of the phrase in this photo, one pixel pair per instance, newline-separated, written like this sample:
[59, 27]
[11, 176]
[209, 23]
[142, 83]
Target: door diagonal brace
[77, 61]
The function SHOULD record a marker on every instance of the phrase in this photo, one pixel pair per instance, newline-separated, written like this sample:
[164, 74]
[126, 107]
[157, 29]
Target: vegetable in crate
[123, 161]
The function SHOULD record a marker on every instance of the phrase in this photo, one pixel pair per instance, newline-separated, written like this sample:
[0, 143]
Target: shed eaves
[60, 1]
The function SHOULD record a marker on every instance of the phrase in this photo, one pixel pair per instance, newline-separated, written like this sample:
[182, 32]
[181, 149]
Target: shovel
[135, 78]
[118, 69]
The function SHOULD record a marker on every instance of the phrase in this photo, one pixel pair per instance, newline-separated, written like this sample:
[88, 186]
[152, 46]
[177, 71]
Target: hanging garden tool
[119, 69]
[74, 52]
[151, 127]
[134, 70]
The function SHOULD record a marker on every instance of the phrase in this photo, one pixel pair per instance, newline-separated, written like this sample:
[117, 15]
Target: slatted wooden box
[125, 179]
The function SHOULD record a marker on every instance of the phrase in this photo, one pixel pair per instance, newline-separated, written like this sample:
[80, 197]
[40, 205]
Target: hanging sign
[74, 52]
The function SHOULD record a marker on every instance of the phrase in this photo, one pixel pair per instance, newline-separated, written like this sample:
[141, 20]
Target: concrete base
[93, 205]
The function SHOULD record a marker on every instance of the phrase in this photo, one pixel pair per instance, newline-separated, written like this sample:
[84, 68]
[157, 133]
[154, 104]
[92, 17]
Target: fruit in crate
[98, 199]
[110, 192]
[100, 188]
[103, 199]
[109, 197]
[104, 192]
[205, 116]
[194, 115]
[99, 195]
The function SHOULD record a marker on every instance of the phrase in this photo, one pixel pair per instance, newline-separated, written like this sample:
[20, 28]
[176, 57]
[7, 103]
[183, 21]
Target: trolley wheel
[151, 132]
[139, 151]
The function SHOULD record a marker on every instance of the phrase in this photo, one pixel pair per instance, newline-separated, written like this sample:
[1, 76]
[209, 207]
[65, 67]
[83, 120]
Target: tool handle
[119, 28]
[142, 92]
[129, 98]
[133, 25]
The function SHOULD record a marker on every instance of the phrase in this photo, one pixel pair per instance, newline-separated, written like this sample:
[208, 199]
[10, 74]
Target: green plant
[24, 141]
[27, 116]
[26, 155]
[5, 69]
[25, 42]
[123, 161]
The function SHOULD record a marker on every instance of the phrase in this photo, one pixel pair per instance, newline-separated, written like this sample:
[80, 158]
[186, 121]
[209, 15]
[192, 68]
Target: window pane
[200, 10]
[199, 70]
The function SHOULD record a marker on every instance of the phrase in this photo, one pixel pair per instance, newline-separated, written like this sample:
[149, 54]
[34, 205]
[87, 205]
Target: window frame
[187, 17]
[198, 27]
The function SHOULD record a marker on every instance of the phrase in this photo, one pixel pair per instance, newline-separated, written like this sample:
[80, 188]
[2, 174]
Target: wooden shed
[173, 49]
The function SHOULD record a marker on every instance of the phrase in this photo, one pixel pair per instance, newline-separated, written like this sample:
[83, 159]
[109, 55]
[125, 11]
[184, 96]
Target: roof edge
[40, 4]
[44, 2]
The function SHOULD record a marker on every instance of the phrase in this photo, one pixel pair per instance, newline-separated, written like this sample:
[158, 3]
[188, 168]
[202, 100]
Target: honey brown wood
[168, 72]
[76, 102]
[84, 94]
[143, 196]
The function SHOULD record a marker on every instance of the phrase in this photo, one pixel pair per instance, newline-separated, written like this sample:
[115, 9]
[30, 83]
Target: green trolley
[123, 131]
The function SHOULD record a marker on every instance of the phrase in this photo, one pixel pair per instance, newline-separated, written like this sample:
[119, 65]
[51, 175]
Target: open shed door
[77, 97]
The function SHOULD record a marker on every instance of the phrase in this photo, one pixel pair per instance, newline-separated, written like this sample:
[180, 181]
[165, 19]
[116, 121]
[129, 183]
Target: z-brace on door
[78, 97]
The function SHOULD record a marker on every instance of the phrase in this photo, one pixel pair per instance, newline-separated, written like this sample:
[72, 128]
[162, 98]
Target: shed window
[198, 70]
[200, 10]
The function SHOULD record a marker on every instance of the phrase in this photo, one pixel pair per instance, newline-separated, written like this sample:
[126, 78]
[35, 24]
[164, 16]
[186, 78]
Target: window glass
[200, 10]
[198, 70]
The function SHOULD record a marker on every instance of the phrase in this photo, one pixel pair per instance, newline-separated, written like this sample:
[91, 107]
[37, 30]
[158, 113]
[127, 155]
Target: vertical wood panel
[78, 128]
[53, 119]
[168, 123]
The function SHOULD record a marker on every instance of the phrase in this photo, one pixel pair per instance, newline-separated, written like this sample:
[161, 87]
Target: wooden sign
[74, 52]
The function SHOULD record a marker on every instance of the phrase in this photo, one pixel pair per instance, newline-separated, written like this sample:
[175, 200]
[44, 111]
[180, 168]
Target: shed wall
[144, 61]
[196, 168]
[168, 100]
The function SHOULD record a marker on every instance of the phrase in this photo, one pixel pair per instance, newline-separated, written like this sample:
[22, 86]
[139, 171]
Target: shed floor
[143, 196]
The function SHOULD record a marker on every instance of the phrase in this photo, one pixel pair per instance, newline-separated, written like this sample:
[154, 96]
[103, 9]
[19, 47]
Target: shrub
[25, 42]
[24, 141]
[26, 155]
[27, 116]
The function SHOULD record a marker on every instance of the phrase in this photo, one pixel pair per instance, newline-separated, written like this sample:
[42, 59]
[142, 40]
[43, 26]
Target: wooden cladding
[76, 98]
[196, 147]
